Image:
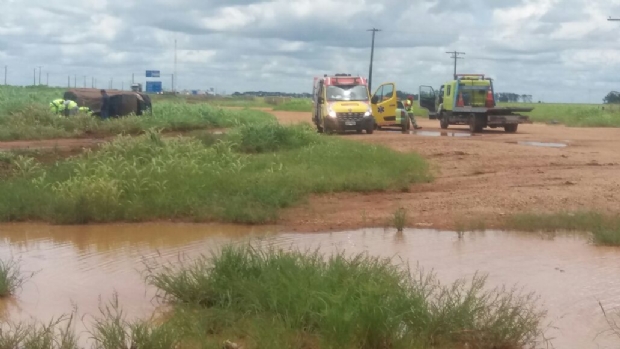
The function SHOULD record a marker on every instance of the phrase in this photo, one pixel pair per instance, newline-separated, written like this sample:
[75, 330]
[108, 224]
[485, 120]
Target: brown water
[78, 265]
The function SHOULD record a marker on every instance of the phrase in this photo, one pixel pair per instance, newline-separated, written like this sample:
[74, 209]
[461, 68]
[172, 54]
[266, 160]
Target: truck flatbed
[495, 110]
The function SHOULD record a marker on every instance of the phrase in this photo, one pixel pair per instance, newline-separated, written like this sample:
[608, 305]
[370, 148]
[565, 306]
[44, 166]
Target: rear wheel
[443, 121]
[476, 123]
[406, 126]
[512, 128]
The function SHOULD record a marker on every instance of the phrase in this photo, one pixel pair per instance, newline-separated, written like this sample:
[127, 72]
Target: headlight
[368, 113]
[332, 114]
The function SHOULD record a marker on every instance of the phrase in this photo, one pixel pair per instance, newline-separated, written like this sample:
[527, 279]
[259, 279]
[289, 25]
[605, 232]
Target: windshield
[347, 93]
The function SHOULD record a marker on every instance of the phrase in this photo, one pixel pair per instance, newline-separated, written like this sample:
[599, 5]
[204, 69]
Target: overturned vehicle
[122, 103]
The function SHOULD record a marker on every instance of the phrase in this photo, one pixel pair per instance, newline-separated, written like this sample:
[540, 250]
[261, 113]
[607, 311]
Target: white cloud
[553, 49]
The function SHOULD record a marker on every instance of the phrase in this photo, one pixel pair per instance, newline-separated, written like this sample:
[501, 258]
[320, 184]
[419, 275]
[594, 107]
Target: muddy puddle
[440, 134]
[81, 265]
[543, 144]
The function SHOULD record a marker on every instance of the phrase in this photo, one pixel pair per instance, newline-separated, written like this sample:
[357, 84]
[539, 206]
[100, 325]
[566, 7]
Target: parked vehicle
[387, 110]
[470, 100]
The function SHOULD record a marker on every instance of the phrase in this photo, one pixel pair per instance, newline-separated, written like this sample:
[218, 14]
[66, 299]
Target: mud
[79, 265]
[483, 178]
[440, 134]
[544, 144]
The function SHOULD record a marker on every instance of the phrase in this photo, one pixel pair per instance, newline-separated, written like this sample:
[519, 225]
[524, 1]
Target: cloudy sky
[556, 50]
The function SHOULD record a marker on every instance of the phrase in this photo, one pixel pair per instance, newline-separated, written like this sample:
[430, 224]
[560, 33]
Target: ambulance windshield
[347, 93]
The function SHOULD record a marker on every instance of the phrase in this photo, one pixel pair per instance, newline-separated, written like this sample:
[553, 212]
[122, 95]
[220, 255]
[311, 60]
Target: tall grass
[11, 277]
[399, 220]
[604, 229]
[24, 114]
[57, 334]
[151, 177]
[276, 299]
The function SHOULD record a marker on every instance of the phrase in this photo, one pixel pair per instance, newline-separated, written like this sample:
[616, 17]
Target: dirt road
[480, 178]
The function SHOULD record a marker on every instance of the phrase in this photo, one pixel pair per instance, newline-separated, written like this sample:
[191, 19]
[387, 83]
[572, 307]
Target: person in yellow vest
[409, 109]
[70, 108]
[57, 106]
[85, 110]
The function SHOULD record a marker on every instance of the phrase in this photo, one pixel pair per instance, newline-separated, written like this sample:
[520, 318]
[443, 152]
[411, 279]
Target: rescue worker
[85, 110]
[409, 109]
[57, 105]
[105, 105]
[70, 108]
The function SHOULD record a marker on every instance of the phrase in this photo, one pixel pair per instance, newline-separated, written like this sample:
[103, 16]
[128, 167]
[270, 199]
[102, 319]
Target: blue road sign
[152, 73]
[153, 87]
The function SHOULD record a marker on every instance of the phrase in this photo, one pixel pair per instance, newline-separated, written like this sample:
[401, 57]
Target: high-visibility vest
[85, 110]
[57, 105]
[72, 105]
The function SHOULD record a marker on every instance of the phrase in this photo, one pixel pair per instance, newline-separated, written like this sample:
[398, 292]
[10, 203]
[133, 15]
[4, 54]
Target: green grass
[300, 105]
[267, 298]
[24, 114]
[604, 229]
[399, 220]
[246, 177]
[574, 115]
[11, 277]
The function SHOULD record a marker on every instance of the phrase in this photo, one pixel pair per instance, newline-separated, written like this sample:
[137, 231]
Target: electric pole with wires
[455, 56]
[372, 55]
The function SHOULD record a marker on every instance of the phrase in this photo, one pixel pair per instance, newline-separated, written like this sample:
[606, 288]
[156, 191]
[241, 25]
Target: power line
[372, 56]
[455, 56]
[613, 19]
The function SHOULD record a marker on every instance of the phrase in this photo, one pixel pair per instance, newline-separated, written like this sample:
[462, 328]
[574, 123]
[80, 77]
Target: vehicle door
[427, 100]
[384, 104]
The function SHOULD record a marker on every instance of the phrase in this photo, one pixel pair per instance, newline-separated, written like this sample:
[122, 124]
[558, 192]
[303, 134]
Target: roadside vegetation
[604, 229]
[299, 105]
[573, 115]
[245, 176]
[25, 115]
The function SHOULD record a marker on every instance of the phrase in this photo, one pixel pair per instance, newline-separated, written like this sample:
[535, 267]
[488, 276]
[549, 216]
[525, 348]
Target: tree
[612, 97]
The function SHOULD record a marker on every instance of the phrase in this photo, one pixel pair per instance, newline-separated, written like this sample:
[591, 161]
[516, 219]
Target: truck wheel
[406, 127]
[370, 130]
[475, 124]
[443, 121]
[319, 129]
[512, 128]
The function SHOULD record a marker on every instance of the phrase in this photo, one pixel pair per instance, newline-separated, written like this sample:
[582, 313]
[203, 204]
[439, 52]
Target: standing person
[409, 108]
[105, 105]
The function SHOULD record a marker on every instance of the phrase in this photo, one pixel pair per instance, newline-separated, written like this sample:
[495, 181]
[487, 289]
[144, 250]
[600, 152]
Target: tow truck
[469, 99]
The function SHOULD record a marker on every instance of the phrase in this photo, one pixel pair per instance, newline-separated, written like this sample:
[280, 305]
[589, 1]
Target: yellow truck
[469, 99]
[342, 103]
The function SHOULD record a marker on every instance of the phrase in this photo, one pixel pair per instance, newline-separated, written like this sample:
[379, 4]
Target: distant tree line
[271, 94]
[509, 97]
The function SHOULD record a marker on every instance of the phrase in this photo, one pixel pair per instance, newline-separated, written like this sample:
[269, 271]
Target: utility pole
[74, 81]
[39, 75]
[68, 81]
[175, 67]
[47, 79]
[455, 56]
[34, 78]
[372, 56]
[6, 69]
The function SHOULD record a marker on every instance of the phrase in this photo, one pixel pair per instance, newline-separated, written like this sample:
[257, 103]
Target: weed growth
[277, 299]
[299, 105]
[11, 277]
[151, 177]
[400, 219]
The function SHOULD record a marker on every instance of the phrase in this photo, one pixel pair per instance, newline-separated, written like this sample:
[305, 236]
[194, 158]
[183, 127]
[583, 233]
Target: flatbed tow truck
[469, 99]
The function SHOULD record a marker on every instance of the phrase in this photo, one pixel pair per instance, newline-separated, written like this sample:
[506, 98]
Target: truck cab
[469, 99]
[342, 103]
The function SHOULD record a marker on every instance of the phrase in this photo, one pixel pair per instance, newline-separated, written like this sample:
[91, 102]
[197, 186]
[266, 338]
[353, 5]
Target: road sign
[153, 87]
[152, 73]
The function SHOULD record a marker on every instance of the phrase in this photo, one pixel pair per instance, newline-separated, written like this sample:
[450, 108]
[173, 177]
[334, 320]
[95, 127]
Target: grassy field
[574, 115]
[24, 114]
[244, 177]
[603, 229]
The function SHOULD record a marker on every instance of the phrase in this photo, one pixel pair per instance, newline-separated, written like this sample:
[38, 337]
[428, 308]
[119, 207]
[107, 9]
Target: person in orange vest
[409, 109]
